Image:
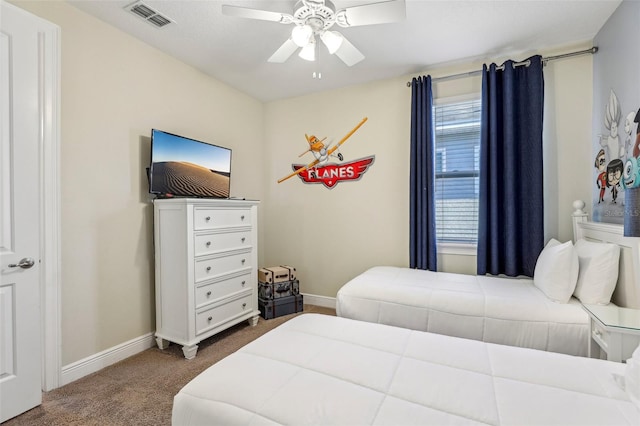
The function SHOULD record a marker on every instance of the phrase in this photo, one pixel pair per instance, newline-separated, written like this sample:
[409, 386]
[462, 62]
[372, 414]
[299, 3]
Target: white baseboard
[93, 363]
[97, 362]
[324, 301]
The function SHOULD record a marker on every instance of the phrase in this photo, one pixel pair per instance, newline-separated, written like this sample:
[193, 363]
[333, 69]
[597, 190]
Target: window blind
[457, 156]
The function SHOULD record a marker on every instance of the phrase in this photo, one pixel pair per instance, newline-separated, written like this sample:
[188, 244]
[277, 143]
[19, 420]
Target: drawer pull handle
[244, 305]
[597, 333]
[243, 283]
[208, 243]
[207, 219]
[242, 239]
[209, 293]
[208, 268]
[242, 261]
[242, 217]
[209, 319]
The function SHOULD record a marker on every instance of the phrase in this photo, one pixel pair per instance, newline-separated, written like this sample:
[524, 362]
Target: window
[457, 131]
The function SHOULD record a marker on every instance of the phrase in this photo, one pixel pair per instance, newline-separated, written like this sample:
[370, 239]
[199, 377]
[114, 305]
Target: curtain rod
[592, 51]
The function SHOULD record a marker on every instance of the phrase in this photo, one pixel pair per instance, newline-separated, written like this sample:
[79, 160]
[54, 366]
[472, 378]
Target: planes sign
[331, 174]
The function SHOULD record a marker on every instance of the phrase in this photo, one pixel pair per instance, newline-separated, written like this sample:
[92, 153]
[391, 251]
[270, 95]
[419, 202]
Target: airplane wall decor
[322, 153]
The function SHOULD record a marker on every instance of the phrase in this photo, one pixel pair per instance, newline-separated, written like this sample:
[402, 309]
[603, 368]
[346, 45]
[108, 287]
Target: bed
[325, 370]
[490, 309]
[517, 312]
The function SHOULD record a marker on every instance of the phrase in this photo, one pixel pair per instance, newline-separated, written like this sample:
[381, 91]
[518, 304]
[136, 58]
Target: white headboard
[627, 293]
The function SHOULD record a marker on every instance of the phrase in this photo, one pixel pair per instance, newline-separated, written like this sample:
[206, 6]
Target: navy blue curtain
[510, 215]
[422, 238]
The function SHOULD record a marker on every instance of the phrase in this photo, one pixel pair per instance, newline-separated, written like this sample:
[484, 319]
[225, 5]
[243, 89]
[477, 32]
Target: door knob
[25, 263]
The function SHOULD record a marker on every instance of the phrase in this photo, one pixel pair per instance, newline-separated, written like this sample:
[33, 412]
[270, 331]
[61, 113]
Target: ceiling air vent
[143, 11]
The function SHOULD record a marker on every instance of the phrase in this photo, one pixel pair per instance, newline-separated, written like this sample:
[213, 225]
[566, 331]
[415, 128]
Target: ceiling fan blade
[263, 15]
[349, 54]
[283, 52]
[373, 13]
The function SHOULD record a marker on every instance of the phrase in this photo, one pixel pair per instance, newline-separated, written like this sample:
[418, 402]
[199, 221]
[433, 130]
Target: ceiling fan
[314, 18]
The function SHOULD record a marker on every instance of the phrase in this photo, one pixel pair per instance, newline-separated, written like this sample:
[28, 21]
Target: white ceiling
[434, 33]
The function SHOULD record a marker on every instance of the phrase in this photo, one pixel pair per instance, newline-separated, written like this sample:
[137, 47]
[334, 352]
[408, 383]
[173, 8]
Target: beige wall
[567, 135]
[114, 90]
[333, 235]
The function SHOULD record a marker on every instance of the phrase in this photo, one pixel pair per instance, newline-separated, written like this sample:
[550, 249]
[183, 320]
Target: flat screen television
[183, 167]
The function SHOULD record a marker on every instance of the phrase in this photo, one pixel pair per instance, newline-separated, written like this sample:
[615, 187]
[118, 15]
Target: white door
[20, 221]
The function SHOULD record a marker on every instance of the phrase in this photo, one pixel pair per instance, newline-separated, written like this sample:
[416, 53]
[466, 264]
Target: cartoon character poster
[615, 161]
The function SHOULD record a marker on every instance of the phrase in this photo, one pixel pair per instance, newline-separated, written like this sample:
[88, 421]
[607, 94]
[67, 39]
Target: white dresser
[206, 258]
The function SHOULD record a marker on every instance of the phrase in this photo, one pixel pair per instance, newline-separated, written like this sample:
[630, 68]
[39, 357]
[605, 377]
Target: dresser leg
[253, 321]
[162, 344]
[190, 351]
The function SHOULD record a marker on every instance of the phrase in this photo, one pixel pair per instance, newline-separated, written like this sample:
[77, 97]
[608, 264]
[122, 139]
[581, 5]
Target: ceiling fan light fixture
[313, 18]
[308, 53]
[332, 39]
[301, 35]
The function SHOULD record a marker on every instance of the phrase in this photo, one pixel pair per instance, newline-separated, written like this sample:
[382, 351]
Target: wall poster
[616, 113]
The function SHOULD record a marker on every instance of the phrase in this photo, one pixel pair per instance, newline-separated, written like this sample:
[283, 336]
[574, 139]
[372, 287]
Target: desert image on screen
[189, 168]
[182, 178]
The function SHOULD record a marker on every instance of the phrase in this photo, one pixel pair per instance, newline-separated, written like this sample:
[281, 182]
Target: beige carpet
[139, 390]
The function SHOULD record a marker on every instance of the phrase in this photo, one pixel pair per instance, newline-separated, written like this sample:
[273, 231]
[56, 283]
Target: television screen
[186, 167]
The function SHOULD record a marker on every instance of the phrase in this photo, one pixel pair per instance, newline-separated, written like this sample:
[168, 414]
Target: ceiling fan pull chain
[317, 74]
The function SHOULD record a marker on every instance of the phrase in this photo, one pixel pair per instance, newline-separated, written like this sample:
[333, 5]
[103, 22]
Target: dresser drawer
[600, 335]
[213, 292]
[212, 317]
[212, 267]
[204, 218]
[212, 243]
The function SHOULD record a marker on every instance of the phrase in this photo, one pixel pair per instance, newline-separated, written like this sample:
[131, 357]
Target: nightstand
[615, 331]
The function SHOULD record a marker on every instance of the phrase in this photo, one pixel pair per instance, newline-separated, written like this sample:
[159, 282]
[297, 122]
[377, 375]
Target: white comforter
[498, 310]
[324, 370]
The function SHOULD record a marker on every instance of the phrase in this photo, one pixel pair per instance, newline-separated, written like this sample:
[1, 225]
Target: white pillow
[632, 377]
[556, 271]
[598, 271]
